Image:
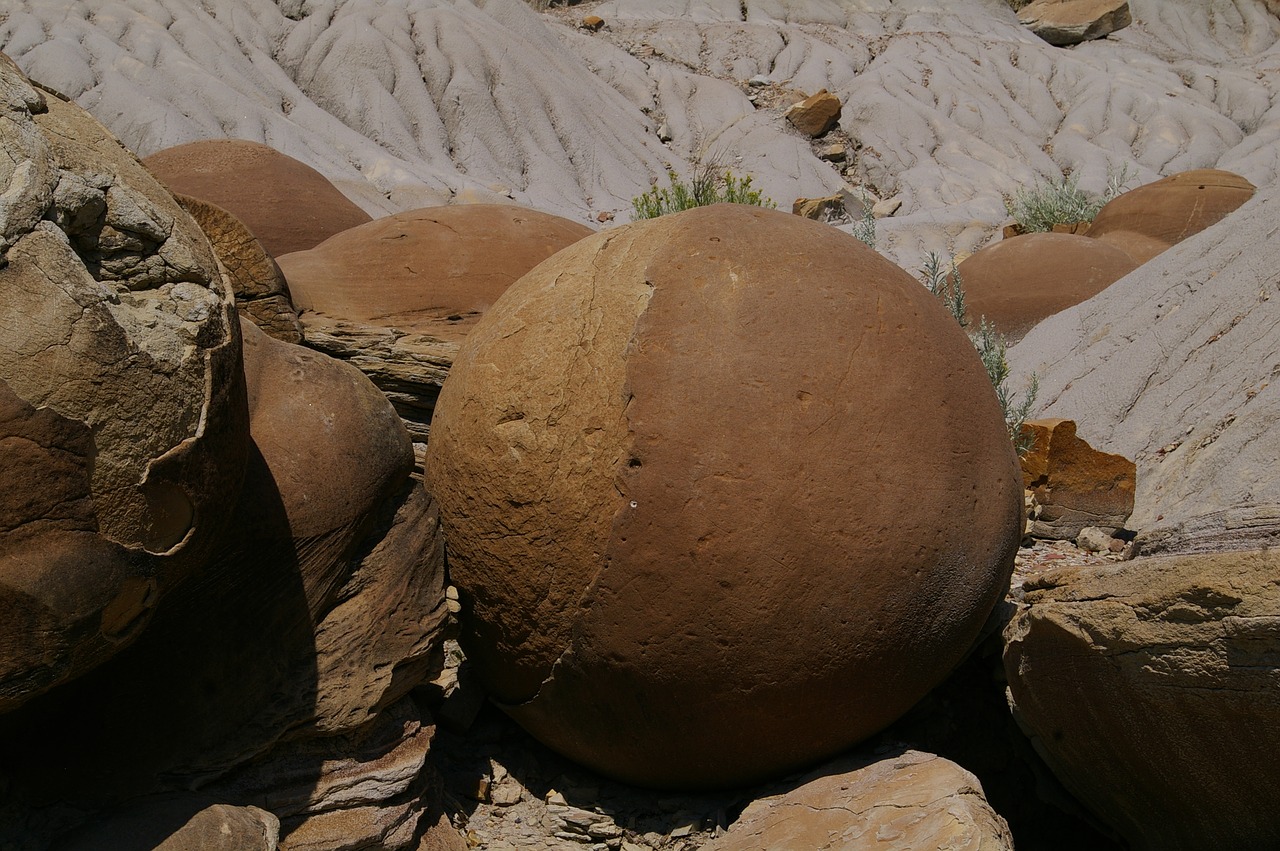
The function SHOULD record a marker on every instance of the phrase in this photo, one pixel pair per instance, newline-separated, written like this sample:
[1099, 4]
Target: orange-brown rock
[1149, 687]
[1065, 22]
[675, 486]
[1145, 221]
[260, 289]
[1074, 484]
[1015, 283]
[435, 269]
[288, 205]
[816, 114]
[906, 801]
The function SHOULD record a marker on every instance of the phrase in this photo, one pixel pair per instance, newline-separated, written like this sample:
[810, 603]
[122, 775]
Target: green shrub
[709, 185]
[1062, 202]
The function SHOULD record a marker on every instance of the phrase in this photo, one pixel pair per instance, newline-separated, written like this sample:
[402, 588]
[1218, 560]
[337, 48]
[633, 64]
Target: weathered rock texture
[1173, 366]
[675, 438]
[903, 802]
[1145, 221]
[180, 824]
[1064, 22]
[1153, 690]
[433, 270]
[123, 426]
[953, 106]
[816, 114]
[286, 204]
[1015, 283]
[1074, 484]
[260, 289]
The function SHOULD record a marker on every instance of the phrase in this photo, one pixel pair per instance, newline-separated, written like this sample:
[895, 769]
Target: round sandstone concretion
[1016, 283]
[437, 267]
[725, 492]
[1145, 221]
[287, 204]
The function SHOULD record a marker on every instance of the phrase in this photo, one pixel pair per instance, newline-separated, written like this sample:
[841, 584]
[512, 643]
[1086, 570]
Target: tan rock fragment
[1074, 484]
[816, 114]
[1065, 22]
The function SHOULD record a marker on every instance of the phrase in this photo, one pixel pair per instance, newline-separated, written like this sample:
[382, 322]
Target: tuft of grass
[865, 228]
[944, 281]
[709, 185]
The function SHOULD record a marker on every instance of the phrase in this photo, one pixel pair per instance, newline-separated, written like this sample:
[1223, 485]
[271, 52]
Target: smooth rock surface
[1151, 689]
[1172, 367]
[902, 802]
[1016, 283]
[622, 510]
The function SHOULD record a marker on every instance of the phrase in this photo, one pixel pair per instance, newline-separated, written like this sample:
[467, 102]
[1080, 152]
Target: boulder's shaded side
[676, 476]
[1146, 221]
[1152, 688]
[123, 423]
[903, 802]
[183, 823]
[260, 289]
[1172, 366]
[435, 269]
[1015, 283]
[1074, 484]
[288, 205]
[1066, 22]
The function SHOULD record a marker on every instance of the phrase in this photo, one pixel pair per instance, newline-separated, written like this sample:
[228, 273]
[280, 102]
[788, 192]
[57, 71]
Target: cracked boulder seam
[1151, 690]
[676, 463]
[125, 421]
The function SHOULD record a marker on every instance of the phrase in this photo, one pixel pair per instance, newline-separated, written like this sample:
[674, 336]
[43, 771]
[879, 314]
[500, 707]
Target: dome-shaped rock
[422, 267]
[725, 492]
[1015, 283]
[287, 204]
[1146, 221]
[123, 422]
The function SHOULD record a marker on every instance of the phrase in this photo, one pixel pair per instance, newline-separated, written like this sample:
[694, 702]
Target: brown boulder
[904, 802]
[434, 270]
[1145, 221]
[1065, 22]
[819, 209]
[179, 824]
[816, 114]
[675, 504]
[1074, 485]
[1150, 689]
[1016, 283]
[288, 205]
[260, 289]
[123, 425]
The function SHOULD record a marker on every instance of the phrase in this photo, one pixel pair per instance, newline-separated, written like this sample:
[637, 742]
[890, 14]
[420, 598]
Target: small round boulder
[1146, 221]
[724, 492]
[1018, 282]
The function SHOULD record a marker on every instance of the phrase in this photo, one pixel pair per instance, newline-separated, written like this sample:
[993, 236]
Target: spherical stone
[1016, 283]
[724, 492]
[1145, 221]
[448, 265]
[287, 204]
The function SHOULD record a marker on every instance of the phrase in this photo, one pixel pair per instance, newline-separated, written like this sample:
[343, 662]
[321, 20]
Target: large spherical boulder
[123, 420]
[725, 492]
[287, 204]
[435, 269]
[1145, 221]
[1016, 283]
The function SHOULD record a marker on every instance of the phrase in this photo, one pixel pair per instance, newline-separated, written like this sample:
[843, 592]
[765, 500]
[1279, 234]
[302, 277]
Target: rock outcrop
[1150, 689]
[122, 410]
[1074, 485]
[901, 802]
[1173, 367]
[1015, 283]
[286, 204]
[1066, 22]
[260, 289]
[640, 482]
[1146, 221]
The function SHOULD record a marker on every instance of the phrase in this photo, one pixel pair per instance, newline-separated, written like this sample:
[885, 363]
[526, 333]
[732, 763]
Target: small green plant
[865, 227]
[944, 281]
[709, 185]
[1061, 202]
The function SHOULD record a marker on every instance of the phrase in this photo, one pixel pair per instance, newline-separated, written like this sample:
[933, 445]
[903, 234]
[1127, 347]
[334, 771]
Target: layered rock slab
[1074, 485]
[620, 536]
[1151, 690]
[903, 802]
